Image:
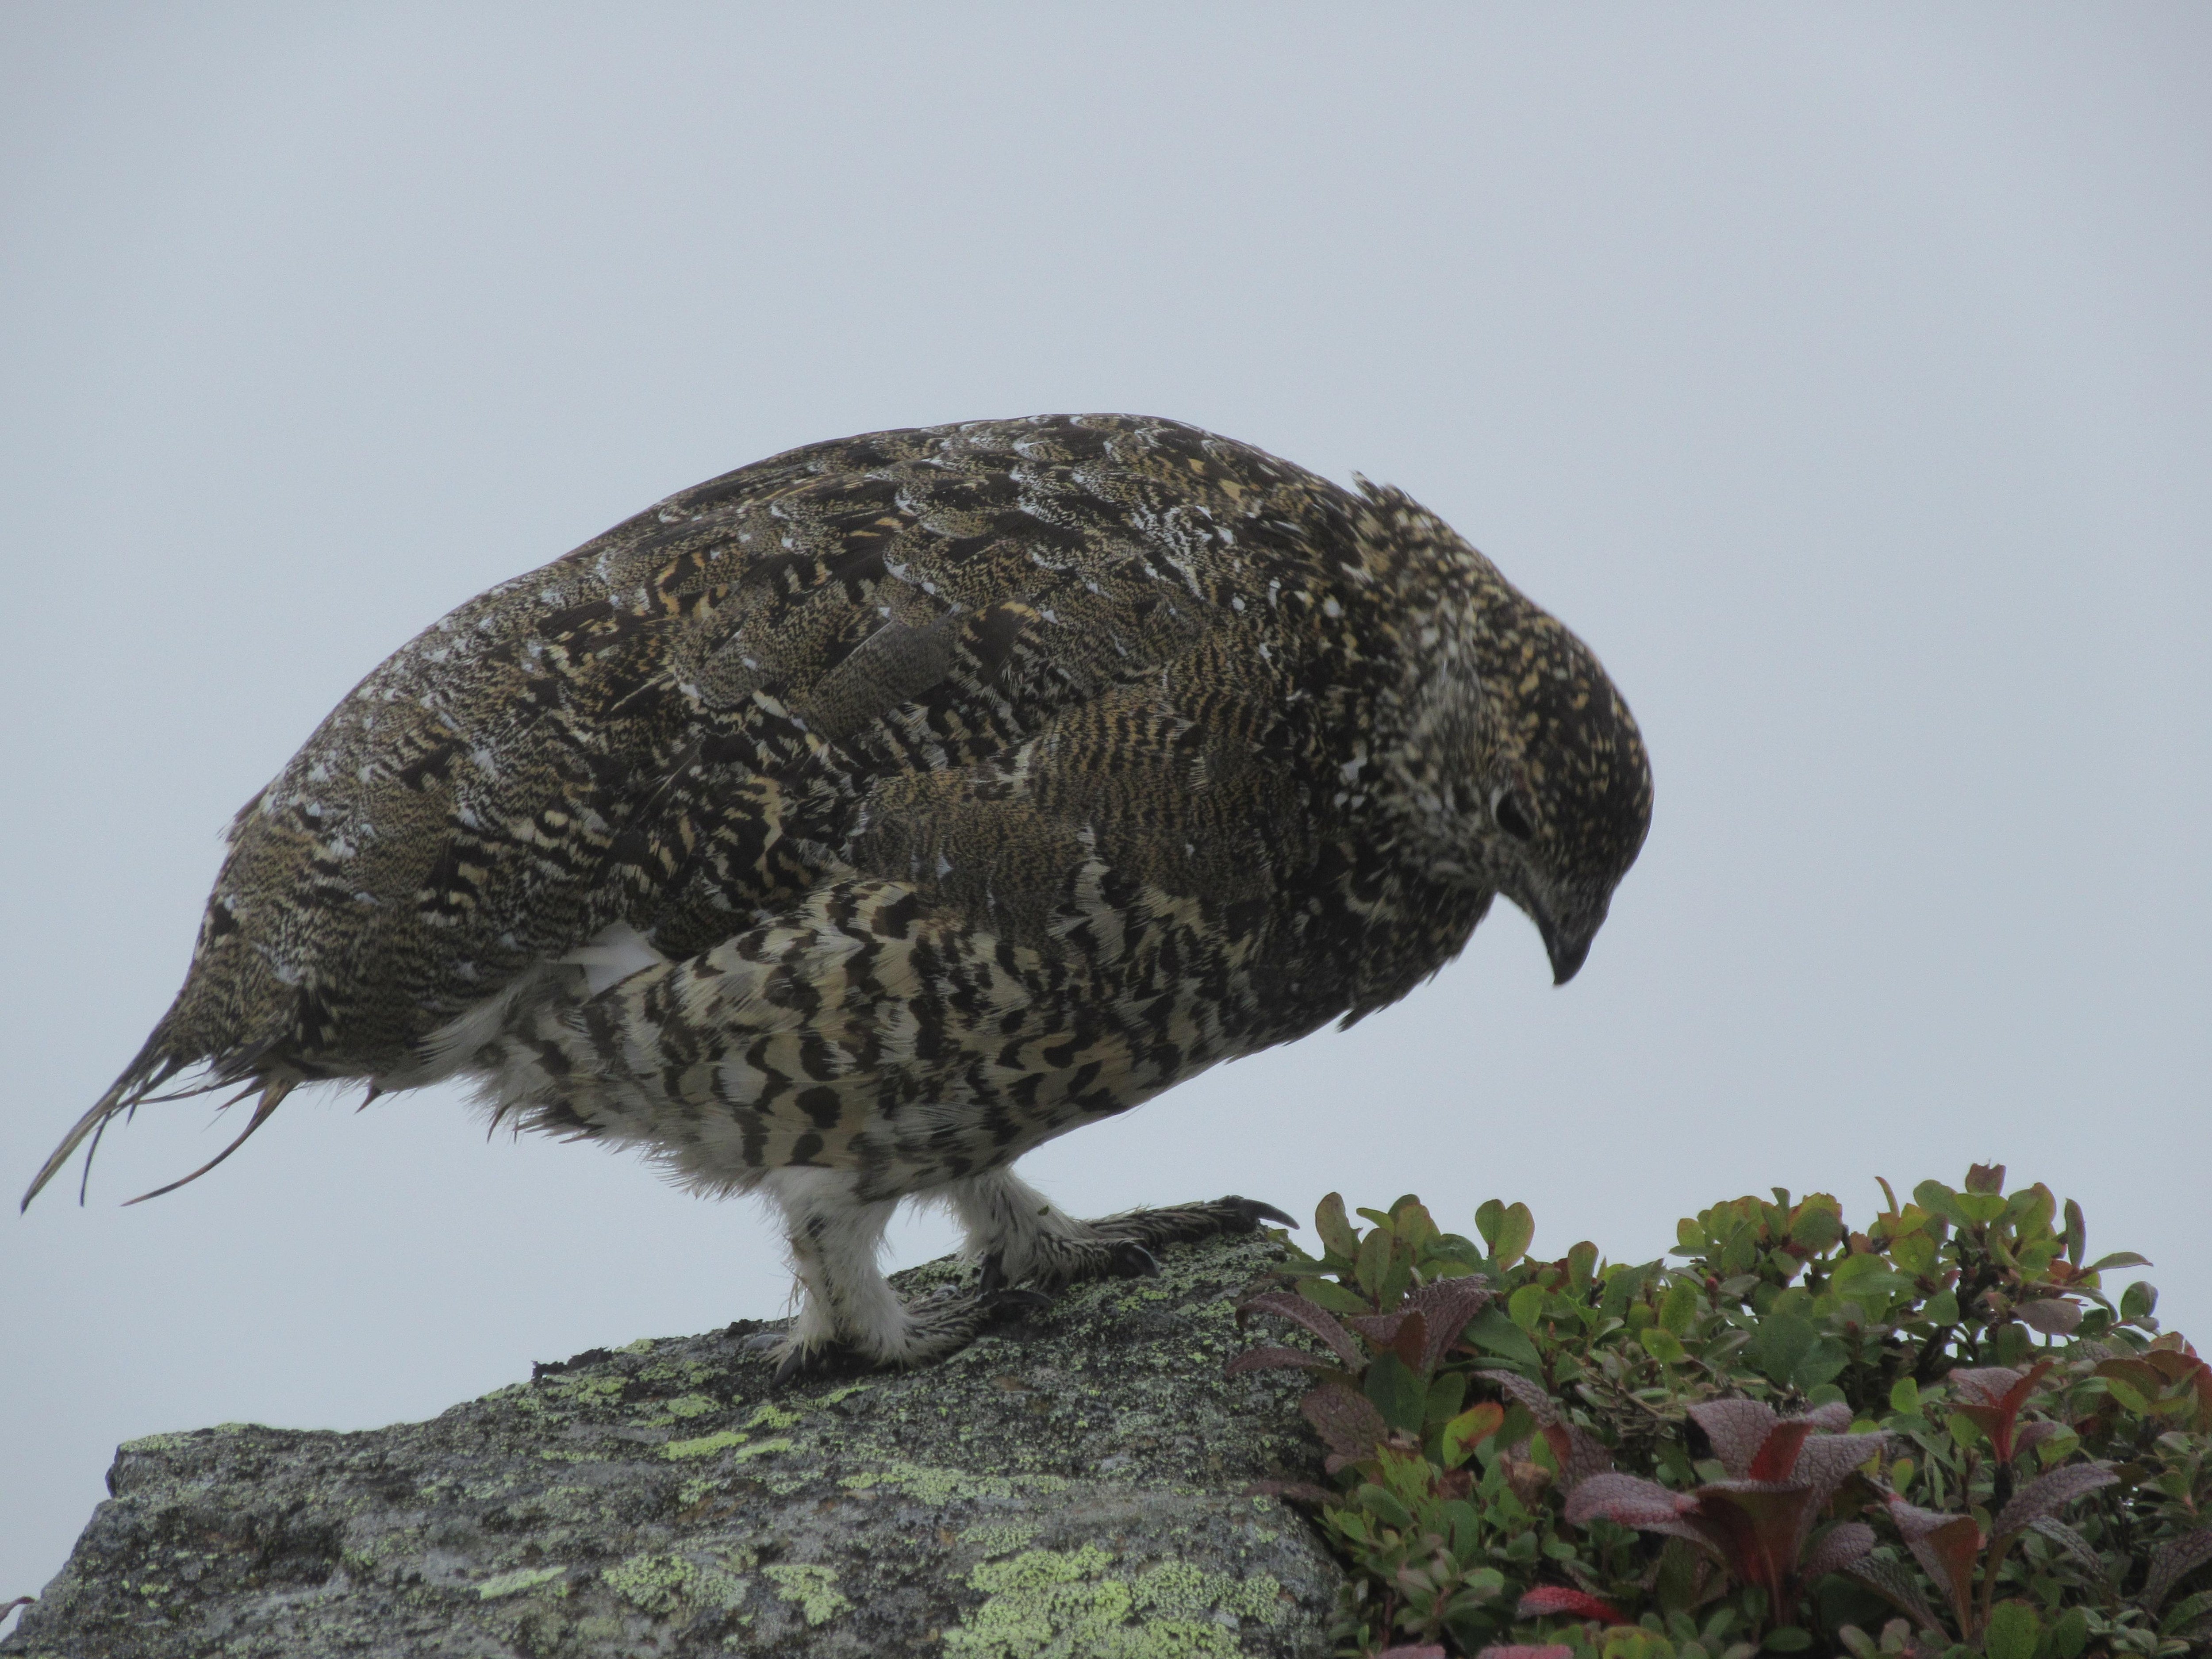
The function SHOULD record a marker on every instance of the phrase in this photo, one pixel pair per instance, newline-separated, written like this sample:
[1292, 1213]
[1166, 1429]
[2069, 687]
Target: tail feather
[157, 1062]
[144, 1075]
[272, 1096]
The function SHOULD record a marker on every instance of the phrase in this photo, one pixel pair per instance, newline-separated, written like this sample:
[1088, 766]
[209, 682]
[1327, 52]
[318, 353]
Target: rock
[1068, 1485]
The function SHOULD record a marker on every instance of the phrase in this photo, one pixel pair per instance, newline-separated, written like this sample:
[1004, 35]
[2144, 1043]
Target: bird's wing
[683, 723]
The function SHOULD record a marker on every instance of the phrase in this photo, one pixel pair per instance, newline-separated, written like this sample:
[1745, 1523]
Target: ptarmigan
[846, 826]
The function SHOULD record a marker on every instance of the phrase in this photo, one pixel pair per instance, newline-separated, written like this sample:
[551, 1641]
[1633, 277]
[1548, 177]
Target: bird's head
[1564, 788]
[1524, 773]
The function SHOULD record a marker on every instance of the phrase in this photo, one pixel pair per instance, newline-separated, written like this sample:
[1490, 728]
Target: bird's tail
[157, 1062]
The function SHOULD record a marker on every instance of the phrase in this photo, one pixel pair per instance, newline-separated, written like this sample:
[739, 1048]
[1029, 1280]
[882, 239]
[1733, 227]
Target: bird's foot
[1124, 1246]
[930, 1328]
[1184, 1223]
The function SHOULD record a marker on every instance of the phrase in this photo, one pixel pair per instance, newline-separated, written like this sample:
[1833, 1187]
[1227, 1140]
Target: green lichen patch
[663, 1583]
[522, 1578]
[814, 1588]
[1000, 1539]
[706, 1445]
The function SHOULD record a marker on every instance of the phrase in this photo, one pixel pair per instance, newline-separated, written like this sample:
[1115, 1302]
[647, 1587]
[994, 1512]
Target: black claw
[1004, 1303]
[793, 1364]
[995, 1274]
[1250, 1212]
[1130, 1260]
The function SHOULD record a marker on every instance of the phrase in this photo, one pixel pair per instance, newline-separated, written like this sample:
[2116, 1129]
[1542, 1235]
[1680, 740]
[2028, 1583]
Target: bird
[840, 829]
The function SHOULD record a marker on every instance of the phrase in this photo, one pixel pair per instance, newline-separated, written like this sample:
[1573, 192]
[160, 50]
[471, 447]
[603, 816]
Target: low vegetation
[1935, 1430]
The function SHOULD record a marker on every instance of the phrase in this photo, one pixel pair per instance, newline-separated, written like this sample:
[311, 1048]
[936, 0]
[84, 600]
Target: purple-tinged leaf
[1737, 1428]
[1778, 1453]
[1429, 1650]
[2052, 1315]
[1551, 1601]
[1629, 1500]
[1346, 1421]
[1946, 1546]
[1991, 1398]
[2029, 1436]
[1264, 1360]
[1544, 1650]
[2074, 1545]
[1825, 1462]
[1840, 1546]
[1525, 1392]
[2050, 1494]
[1761, 1526]
[1578, 1453]
[1831, 1418]
[2170, 1564]
[1323, 1323]
[1889, 1580]
[1447, 1304]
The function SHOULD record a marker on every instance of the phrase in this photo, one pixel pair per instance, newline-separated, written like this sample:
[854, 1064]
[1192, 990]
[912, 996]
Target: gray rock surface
[1068, 1485]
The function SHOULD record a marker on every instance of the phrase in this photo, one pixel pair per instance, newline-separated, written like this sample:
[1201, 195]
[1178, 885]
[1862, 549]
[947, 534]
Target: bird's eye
[1511, 819]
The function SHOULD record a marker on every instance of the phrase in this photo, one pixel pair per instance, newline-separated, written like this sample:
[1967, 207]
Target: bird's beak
[1566, 939]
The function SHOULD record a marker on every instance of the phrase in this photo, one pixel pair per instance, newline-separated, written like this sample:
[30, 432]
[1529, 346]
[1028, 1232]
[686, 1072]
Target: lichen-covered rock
[1067, 1486]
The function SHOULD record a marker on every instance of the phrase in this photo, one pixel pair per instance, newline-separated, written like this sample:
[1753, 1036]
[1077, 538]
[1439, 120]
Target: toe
[995, 1274]
[1249, 1212]
[1129, 1260]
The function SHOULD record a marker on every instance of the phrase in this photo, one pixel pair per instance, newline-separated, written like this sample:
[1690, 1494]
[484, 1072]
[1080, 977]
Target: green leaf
[1374, 1261]
[1905, 1396]
[1334, 1297]
[1678, 1308]
[1526, 1306]
[2118, 1259]
[1335, 1228]
[1582, 1265]
[1788, 1638]
[1815, 1229]
[1397, 1392]
[1382, 1504]
[1941, 1308]
[1472, 1426]
[1514, 1231]
[1663, 1346]
[1489, 1221]
[1689, 1238]
[1978, 1208]
[2068, 1634]
[1491, 1331]
[2138, 1299]
[2077, 1233]
[1937, 1199]
[2013, 1632]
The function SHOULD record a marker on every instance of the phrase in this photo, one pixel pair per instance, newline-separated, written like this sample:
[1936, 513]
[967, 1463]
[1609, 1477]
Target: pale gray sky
[1844, 376]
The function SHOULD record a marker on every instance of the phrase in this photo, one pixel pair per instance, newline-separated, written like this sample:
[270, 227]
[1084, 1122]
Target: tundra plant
[1936, 1434]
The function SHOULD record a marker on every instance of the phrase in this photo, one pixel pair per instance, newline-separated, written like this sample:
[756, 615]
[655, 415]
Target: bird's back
[694, 716]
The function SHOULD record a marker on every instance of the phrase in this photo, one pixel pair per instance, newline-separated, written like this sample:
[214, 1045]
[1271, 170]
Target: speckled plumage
[944, 788]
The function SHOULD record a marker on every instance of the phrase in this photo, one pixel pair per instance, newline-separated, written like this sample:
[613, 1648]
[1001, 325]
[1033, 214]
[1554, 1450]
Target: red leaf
[1547, 1599]
[1838, 1547]
[1945, 1546]
[1777, 1453]
[1737, 1428]
[1347, 1422]
[2047, 1496]
[1263, 1360]
[1315, 1317]
[1447, 1304]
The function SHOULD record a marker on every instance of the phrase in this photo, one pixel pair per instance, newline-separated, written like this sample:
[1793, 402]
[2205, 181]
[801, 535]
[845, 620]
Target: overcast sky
[1842, 375]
